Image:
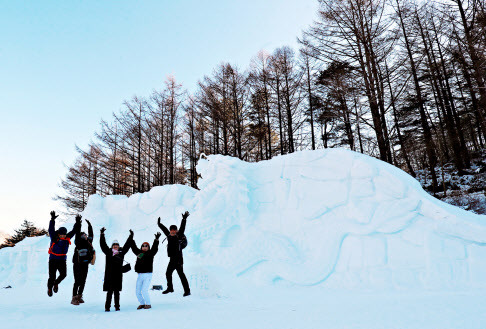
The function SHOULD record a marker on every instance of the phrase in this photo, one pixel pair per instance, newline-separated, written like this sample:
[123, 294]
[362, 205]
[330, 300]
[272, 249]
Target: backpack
[85, 255]
[183, 242]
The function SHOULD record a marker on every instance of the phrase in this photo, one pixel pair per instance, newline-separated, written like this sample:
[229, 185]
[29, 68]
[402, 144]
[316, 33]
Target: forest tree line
[400, 80]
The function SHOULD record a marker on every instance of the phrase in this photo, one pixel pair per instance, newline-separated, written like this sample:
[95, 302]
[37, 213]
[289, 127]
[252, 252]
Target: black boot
[187, 293]
[166, 291]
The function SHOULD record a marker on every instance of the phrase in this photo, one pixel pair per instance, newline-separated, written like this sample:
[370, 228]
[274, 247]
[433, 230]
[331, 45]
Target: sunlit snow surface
[315, 239]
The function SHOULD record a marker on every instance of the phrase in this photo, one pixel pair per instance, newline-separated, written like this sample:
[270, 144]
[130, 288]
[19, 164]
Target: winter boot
[56, 288]
[117, 308]
[49, 292]
[140, 307]
[80, 299]
[147, 307]
[107, 309]
[187, 293]
[75, 300]
[166, 291]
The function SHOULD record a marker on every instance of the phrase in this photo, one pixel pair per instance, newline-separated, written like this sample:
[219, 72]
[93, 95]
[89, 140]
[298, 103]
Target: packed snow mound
[331, 218]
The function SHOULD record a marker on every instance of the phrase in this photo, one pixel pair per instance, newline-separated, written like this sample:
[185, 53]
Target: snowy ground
[264, 308]
[316, 239]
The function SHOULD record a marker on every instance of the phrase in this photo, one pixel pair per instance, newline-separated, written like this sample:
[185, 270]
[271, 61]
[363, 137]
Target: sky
[65, 65]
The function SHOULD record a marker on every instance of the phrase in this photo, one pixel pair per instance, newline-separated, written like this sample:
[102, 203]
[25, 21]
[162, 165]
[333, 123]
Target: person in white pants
[144, 267]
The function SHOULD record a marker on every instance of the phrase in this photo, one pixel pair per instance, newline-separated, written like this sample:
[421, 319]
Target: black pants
[108, 299]
[176, 265]
[54, 266]
[80, 271]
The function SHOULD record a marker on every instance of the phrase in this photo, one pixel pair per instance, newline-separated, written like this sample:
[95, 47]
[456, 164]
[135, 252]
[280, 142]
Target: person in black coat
[60, 241]
[83, 255]
[112, 283]
[174, 251]
[144, 267]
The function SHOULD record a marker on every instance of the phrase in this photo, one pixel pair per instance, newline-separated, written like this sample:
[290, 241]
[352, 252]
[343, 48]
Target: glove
[87, 221]
[78, 218]
[131, 233]
[158, 220]
[185, 215]
[157, 236]
[103, 230]
[53, 215]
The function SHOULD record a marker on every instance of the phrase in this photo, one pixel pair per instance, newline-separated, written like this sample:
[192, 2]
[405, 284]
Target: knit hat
[173, 227]
[62, 231]
[148, 244]
[114, 242]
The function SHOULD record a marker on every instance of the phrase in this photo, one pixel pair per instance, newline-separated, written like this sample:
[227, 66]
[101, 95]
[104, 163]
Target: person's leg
[185, 284]
[62, 267]
[83, 274]
[168, 275]
[138, 289]
[117, 300]
[52, 274]
[108, 299]
[76, 279]
[147, 279]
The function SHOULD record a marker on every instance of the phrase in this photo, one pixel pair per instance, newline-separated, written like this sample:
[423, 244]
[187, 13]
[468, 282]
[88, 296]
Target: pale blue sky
[67, 64]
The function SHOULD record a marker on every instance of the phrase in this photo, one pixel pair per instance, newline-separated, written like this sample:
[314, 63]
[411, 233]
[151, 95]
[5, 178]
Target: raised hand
[53, 215]
[87, 221]
[158, 220]
[185, 215]
[131, 233]
[78, 218]
[157, 235]
[103, 230]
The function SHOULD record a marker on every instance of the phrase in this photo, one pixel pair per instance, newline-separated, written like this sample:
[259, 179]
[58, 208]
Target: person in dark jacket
[174, 251]
[83, 254]
[60, 241]
[112, 283]
[144, 267]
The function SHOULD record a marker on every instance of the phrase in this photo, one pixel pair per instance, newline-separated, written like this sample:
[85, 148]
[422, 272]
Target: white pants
[143, 285]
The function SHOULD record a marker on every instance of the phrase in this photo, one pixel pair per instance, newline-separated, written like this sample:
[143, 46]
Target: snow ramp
[328, 218]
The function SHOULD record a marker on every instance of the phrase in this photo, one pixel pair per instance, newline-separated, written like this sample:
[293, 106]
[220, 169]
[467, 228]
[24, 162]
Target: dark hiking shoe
[187, 293]
[56, 288]
[166, 291]
[75, 300]
[80, 299]
[140, 307]
[49, 292]
[147, 307]
[117, 308]
[107, 309]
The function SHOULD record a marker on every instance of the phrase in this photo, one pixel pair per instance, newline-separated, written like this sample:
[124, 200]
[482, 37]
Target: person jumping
[60, 241]
[176, 241]
[83, 256]
[144, 267]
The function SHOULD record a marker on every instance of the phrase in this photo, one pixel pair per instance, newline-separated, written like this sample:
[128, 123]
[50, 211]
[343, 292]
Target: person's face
[115, 247]
[173, 232]
[145, 247]
[62, 236]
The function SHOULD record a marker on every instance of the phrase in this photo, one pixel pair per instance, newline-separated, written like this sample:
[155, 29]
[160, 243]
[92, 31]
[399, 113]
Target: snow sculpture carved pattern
[331, 217]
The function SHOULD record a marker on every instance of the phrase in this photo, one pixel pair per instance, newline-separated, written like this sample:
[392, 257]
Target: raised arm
[155, 245]
[183, 223]
[103, 245]
[135, 249]
[127, 244]
[163, 228]
[52, 225]
[76, 227]
[90, 230]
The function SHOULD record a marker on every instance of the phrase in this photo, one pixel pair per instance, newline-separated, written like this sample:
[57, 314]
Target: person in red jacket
[60, 241]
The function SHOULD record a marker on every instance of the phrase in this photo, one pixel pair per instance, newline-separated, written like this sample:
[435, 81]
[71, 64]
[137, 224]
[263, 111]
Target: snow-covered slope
[329, 218]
